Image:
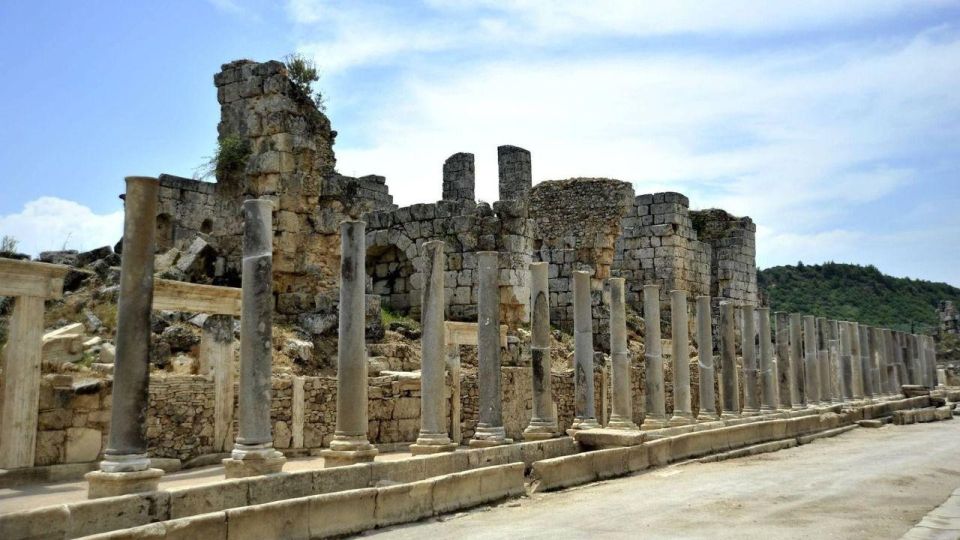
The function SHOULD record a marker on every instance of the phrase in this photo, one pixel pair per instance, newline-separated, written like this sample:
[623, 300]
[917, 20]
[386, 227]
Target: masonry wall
[733, 260]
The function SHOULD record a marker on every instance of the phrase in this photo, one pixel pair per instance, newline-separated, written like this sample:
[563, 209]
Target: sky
[834, 125]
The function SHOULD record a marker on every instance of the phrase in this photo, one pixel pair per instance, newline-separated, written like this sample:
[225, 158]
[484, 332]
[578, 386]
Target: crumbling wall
[733, 261]
[949, 318]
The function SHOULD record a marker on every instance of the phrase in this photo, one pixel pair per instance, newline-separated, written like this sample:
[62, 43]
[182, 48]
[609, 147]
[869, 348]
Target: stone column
[787, 384]
[458, 177]
[932, 361]
[489, 431]
[217, 346]
[812, 373]
[845, 362]
[253, 453]
[823, 363]
[855, 374]
[516, 177]
[543, 423]
[433, 411]
[836, 373]
[622, 404]
[748, 341]
[769, 395]
[125, 467]
[453, 366]
[866, 371]
[708, 397]
[898, 359]
[893, 371]
[655, 412]
[879, 359]
[730, 385]
[682, 411]
[798, 399]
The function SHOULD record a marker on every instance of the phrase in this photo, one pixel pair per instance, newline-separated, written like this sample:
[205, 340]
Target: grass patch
[389, 317]
[107, 313]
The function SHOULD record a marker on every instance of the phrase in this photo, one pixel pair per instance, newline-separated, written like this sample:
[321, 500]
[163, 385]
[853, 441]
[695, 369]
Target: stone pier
[846, 379]
[682, 411]
[823, 362]
[899, 367]
[729, 388]
[708, 396]
[253, 453]
[798, 390]
[543, 423]
[489, 430]
[866, 370]
[748, 346]
[655, 415]
[812, 374]
[880, 352]
[769, 391]
[125, 467]
[433, 436]
[836, 373]
[855, 373]
[218, 351]
[786, 383]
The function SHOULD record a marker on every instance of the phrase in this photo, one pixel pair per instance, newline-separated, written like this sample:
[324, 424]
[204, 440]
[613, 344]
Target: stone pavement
[867, 483]
[943, 522]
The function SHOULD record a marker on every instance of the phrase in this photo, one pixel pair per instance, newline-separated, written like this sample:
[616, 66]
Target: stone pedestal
[543, 422]
[621, 416]
[125, 467]
[433, 433]
[708, 396]
[729, 389]
[655, 412]
[253, 448]
[682, 410]
[769, 394]
[797, 393]
[585, 415]
[489, 431]
[107, 484]
[812, 372]
[751, 398]
[350, 444]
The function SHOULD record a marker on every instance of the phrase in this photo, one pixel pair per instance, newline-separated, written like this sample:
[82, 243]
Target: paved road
[867, 483]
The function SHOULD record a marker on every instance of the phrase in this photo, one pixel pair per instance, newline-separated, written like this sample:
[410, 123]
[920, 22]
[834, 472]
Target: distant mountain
[855, 293]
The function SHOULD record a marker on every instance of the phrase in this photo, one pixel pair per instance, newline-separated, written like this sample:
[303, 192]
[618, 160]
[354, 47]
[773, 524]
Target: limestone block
[196, 500]
[82, 445]
[47, 522]
[337, 514]
[112, 513]
[49, 447]
[281, 435]
[275, 487]
[288, 519]
[404, 503]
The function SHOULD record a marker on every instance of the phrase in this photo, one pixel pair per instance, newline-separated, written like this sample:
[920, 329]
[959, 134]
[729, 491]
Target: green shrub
[303, 72]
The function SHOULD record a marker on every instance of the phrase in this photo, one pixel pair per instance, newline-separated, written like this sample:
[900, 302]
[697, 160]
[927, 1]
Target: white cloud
[50, 223]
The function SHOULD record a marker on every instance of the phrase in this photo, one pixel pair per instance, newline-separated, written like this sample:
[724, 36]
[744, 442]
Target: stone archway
[390, 270]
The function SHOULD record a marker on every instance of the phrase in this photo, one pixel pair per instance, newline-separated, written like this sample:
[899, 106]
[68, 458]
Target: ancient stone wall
[733, 260]
[73, 421]
[949, 318]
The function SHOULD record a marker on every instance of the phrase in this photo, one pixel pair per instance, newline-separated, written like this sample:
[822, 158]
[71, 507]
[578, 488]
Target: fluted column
[799, 395]
[729, 389]
[784, 369]
[769, 395]
[748, 346]
[489, 431]
[682, 411]
[655, 415]
[823, 363]
[621, 416]
[811, 370]
[253, 453]
[433, 436]
[125, 467]
[708, 397]
[543, 423]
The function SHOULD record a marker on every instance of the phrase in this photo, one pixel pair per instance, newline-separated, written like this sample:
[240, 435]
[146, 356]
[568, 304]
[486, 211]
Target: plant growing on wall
[303, 72]
[231, 157]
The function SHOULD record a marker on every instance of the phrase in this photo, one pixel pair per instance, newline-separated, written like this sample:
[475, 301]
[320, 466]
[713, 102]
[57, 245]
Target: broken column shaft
[543, 423]
[769, 391]
[846, 378]
[856, 380]
[729, 390]
[748, 347]
[812, 374]
[585, 415]
[798, 395]
[708, 398]
[866, 370]
[823, 362]
[489, 431]
[682, 412]
[786, 382]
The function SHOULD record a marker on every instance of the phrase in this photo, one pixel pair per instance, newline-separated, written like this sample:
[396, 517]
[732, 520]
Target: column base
[539, 430]
[707, 416]
[584, 423]
[653, 423]
[729, 415]
[750, 412]
[111, 484]
[681, 420]
[487, 443]
[621, 423]
[432, 444]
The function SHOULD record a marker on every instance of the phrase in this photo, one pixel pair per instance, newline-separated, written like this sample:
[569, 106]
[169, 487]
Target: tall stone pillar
[786, 382]
[218, 348]
[798, 399]
[898, 359]
[253, 453]
[655, 412]
[682, 410]
[730, 384]
[708, 396]
[459, 177]
[748, 346]
[823, 363]
[543, 423]
[812, 373]
[125, 467]
[516, 177]
[489, 430]
[622, 404]
[880, 362]
[866, 370]
[433, 436]
[836, 371]
[893, 373]
[845, 361]
[931, 362]
[855, 373]
[769, 395]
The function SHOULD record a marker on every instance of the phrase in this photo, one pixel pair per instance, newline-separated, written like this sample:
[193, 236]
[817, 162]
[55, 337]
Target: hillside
[856, 293]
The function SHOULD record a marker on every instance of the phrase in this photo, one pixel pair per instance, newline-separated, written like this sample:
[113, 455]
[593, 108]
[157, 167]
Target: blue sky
[832, 124]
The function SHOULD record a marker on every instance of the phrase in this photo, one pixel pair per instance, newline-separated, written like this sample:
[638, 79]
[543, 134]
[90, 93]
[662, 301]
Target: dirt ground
[867, 483]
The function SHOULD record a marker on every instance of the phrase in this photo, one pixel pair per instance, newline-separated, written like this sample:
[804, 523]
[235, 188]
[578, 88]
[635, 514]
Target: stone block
[404, 503]
[275, 487]
[558, 473]
[212, 526]
[288, 519]
[82, 444]
[342, 478]
[195, 500]
[110, 514]
[47, 522]
[337, 514]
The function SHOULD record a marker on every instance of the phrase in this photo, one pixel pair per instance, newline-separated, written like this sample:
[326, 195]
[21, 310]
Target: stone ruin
[949, 318]
[581, 222]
